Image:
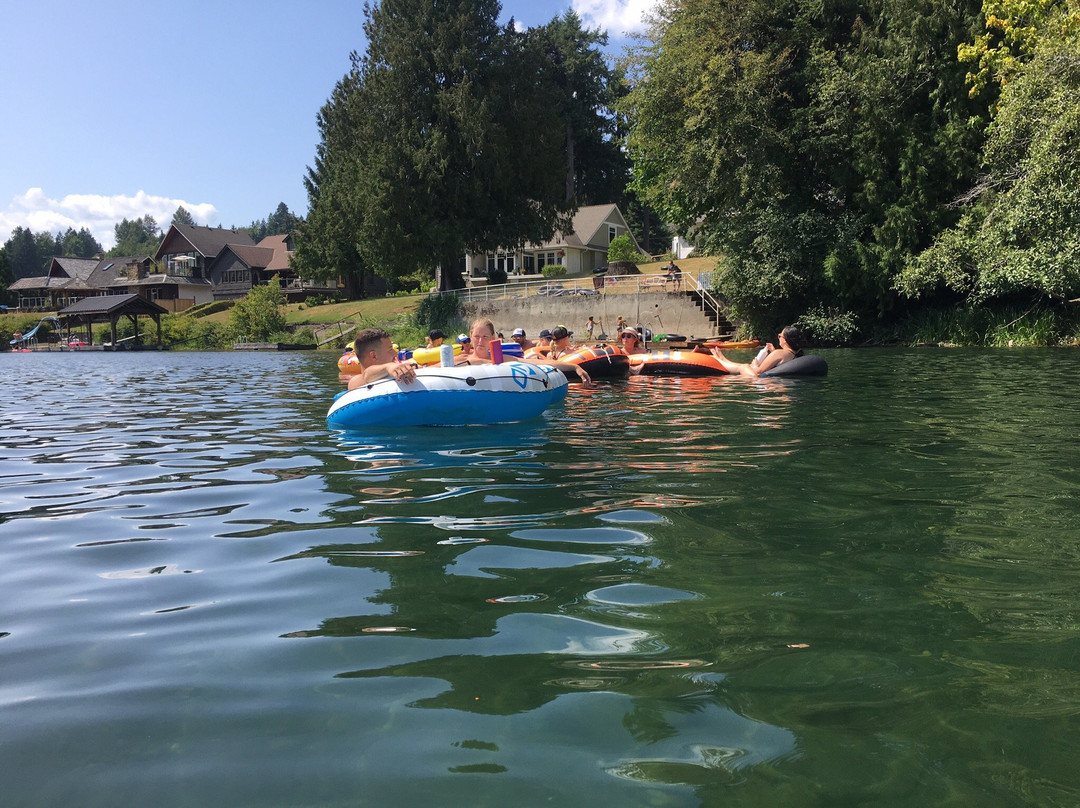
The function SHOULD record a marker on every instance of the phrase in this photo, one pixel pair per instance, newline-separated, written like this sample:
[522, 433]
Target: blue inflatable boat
[457, 396]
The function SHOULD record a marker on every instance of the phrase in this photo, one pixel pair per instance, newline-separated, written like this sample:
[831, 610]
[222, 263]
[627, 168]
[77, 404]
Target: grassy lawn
[381, 309]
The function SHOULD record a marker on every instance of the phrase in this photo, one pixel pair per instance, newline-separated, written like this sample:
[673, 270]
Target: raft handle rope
[470, 381]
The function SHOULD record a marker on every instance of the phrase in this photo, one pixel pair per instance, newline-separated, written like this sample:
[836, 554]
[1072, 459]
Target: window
[612, 233]
[236, 276]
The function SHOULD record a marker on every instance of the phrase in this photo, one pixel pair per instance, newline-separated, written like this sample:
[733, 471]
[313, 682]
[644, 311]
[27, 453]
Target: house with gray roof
[67, 281]
[581, 249]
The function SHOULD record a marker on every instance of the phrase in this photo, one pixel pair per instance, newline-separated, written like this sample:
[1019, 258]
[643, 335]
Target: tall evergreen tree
[442, 150]
[585, 89]
[47, 247]
[79, 244]
[136, 237]
[7, 277]
[183, 216]
[22, 252]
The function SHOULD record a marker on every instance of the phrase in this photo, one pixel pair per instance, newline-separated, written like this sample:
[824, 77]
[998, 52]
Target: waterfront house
[581, 249]
[67, 281]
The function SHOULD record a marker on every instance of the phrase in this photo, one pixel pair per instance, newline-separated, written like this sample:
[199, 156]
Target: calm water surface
[862, 590]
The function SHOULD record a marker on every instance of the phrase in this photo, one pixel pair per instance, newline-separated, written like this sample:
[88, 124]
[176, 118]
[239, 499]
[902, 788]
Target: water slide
[30, 335]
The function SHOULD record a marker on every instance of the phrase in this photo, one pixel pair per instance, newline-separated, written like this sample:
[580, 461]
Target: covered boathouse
[110, 308]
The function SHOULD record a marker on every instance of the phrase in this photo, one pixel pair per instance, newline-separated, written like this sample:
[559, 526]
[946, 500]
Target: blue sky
[117, 109]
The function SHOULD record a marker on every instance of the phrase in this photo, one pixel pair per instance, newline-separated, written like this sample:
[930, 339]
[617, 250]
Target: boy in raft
[791, 343]
[378, 358]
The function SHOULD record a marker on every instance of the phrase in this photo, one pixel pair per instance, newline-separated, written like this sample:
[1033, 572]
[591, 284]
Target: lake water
[858, 590]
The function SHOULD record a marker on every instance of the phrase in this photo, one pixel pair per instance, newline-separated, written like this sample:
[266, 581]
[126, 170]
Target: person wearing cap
[378, 358]
[545, 338]
[483, 333]
[466, 345]
[519, 337]
[435, 338]
[560, 342]
[630, 340]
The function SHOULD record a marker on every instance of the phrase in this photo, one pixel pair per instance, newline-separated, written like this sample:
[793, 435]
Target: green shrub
[496, 276]
[437, 311]
[553, 271]
[825, 327]
[622, 248]
[260, 313]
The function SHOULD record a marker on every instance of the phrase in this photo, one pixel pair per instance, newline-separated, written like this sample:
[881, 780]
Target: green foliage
[259, 314]
[279, 223]
[1019, 235]
[10, 323]
[981, 326]
[184, 332]
[430, 146]
[79, 244]
[553, 270]
[584, 88]
[815, 148]
[183, 216]
[622, 248]
[496, 276]
[437, 311]
[23, 255]
[828, 327]
[210, 308]
[7, 277]
[139, 237]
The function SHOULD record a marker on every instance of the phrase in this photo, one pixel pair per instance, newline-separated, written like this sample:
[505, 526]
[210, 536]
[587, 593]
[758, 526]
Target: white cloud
[98, 214]
[618, 17]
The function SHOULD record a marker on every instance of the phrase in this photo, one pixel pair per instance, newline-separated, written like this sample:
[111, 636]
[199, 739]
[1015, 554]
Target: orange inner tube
[678, 363]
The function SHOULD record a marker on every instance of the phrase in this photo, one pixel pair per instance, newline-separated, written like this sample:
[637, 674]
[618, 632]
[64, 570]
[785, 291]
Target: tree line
[851, 164]
[856, 163]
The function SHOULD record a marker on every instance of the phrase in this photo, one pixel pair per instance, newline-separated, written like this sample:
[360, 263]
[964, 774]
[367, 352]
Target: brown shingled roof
[209, 241]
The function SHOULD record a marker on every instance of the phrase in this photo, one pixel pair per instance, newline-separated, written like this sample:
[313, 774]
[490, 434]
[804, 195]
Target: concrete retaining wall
[661, 312]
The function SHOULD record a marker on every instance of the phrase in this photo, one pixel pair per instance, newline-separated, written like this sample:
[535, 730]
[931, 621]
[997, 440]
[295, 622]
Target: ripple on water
[634, 594]
[584, 535]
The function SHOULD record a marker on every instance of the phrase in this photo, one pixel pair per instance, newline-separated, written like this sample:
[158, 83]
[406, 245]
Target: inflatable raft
[348, 363]
[805, 365]
[600, 361]
[732, 345]
[677, 363]
[459, 396]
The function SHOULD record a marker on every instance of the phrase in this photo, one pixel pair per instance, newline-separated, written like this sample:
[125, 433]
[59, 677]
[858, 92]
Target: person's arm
[404, 372]
[566, 367]
[772, 360]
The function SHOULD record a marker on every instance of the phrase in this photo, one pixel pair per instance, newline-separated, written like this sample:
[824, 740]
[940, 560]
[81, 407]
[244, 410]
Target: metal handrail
[699, 285]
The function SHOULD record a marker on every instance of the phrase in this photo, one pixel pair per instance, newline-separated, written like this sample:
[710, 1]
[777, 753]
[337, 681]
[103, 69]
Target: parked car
[553, 289]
